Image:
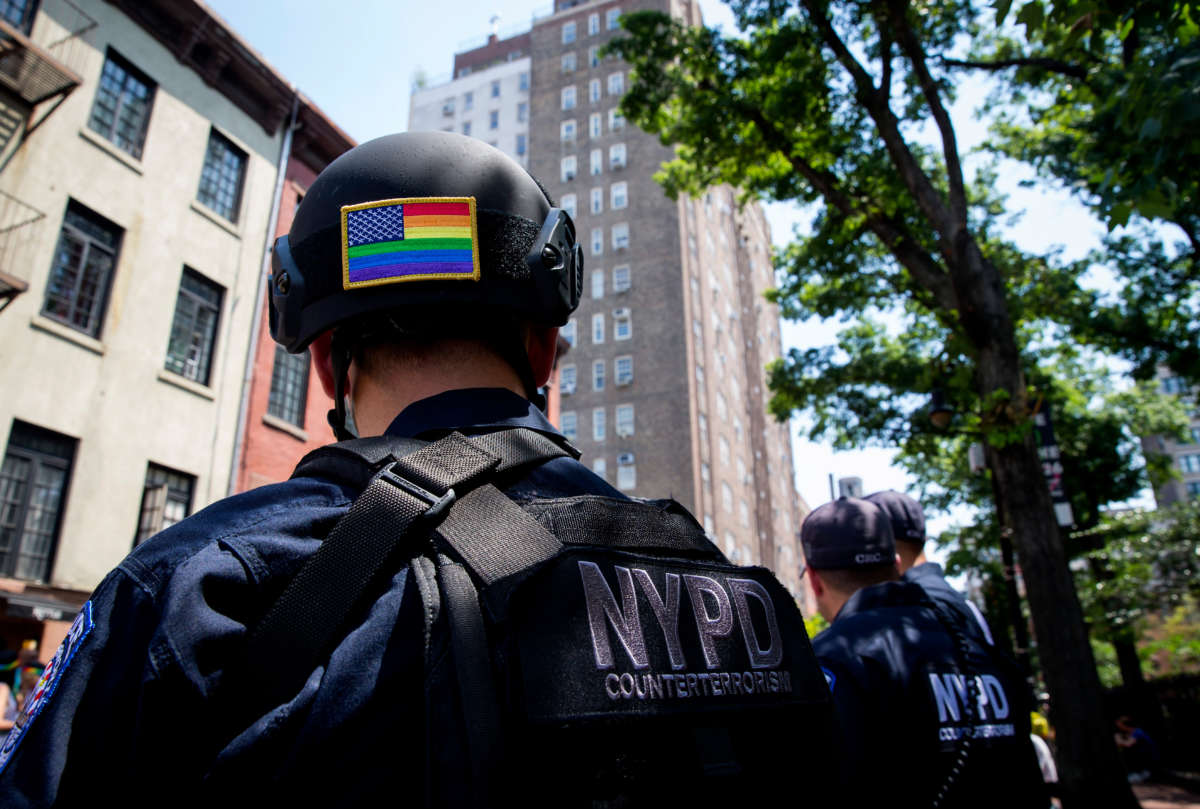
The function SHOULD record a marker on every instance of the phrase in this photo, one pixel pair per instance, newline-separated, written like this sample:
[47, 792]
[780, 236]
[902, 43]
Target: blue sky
[358, 65]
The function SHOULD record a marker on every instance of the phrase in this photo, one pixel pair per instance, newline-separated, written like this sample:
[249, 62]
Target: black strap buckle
[438, 504]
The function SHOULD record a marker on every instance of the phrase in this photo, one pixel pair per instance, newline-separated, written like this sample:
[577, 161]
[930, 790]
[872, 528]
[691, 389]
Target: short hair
[853, 579]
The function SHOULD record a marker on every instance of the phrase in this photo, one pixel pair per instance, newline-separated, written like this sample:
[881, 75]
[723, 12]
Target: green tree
[820, 102]
[1104, 98]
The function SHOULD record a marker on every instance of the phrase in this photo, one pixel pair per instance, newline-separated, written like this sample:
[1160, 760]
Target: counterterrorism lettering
[949, 692]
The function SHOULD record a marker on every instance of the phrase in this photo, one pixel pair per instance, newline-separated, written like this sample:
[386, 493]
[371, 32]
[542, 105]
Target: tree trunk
[1089, 769]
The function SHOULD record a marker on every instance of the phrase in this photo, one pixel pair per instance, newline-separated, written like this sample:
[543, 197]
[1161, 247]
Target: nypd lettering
[716, 610]
[992, 708]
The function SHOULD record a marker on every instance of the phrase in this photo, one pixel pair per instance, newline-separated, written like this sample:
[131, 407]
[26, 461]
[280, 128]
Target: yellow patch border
[374, 282]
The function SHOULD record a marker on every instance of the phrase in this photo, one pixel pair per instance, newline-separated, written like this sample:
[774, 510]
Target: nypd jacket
[930, 578]
[900, 691]
[128, 709]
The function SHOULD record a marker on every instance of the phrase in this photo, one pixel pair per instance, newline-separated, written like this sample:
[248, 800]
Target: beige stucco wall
[113, 394]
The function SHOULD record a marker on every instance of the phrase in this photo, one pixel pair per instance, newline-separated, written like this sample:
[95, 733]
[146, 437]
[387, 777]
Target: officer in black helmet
[427, 611]
[928, 715]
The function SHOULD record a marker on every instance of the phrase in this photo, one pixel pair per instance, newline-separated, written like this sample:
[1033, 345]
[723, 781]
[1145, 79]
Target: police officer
[456, 335]
[322, 641]
[928, 715]
[908, 526]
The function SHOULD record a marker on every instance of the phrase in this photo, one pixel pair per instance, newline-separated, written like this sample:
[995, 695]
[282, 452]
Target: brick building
[663, 387]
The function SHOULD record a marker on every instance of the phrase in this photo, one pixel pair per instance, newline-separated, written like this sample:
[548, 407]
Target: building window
[496, 89]
[709, 527]
[166, 500]
[597, 241]
[594, 56]
[568, 204]
[1196, 435]
[623, 367]
[744, 513]
[622, 324]
[598, 284]
[1173, 384]
[121, 111]
[33, 486]
[600, 468]
[619, 195]
[468, 101]
[568, 97]
[77, 292]
[616, 121]
[722, 407]
[616, 84]
[221, 179]
[598, 328]
[568, 33]
[613, 18]
[621, 279]
[596, 162]
[448, 107]
[570, 425]
[19, 14]
[626, 472]
[616, 156]
[566, 131]
[568, 332]
[727, 497]
[567, 168]
[705, 474]
[620, 236]
[700, 373]
[1193, 488]
[289, 386]
[625, 420]
[523, 112]
[723, 450]
[466, 128]
[494, 119]
[599, 424]
[568, 62]
[194, 329]
[597, 200]
[593, 24]
[703, 421]
[522, 146]
[594, 91]
[523, 81]
[566, 380]
[595, 122]
[598, 375]
[1189, 463]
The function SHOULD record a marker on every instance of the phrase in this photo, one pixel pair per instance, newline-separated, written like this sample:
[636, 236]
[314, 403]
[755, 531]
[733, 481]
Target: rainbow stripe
[397, 240]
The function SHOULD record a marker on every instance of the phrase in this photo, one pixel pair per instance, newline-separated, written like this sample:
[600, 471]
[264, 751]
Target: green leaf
[1031, 16]
[1002, 7]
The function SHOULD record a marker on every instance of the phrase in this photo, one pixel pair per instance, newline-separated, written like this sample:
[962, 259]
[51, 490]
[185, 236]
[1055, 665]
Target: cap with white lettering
[847, 533]
[908, 519]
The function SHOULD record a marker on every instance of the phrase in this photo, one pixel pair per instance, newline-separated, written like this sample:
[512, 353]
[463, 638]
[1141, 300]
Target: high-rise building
[664, 386]
[1185, 453]
[488, 98]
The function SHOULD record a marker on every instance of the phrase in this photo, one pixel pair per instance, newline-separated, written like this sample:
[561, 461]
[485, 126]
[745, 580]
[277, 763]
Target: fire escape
[32, 74]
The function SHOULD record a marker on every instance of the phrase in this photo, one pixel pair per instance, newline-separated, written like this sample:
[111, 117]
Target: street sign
[1052, 469]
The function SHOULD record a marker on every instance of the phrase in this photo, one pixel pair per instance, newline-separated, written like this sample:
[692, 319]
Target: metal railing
[20, 235]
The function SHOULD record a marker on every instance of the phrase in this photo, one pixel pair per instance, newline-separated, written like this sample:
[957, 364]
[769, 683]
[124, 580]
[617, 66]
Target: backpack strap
[404, 500]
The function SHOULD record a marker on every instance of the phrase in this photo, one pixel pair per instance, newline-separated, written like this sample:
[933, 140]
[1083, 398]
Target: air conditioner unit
[622, 313]
[622, 382]
[624, 432]
[569, 176]
[568, 390]
[625, 459]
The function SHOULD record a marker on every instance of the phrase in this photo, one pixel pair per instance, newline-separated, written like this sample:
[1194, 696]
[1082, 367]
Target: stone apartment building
[663, 386]
[142, 147]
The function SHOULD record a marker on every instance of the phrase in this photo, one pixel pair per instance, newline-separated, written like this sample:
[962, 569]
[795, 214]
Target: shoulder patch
[830, 678]
[48, 683]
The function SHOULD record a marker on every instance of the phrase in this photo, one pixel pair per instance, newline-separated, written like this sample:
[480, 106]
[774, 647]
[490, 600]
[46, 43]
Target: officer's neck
[910, 555]
[378, 398]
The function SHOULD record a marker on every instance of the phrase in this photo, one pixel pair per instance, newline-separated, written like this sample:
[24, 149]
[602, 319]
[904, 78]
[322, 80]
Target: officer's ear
[541, 344]
[814, 580]
[323, 362]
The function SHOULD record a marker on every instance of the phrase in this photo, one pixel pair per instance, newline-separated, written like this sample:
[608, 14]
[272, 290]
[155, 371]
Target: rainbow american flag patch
[418, 239]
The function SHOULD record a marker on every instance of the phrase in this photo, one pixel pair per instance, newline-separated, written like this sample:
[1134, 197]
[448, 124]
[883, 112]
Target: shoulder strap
[406, 499]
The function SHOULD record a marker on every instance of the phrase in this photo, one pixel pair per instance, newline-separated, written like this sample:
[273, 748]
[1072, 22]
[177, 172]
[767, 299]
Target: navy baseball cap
[847, 533]
[908, 519]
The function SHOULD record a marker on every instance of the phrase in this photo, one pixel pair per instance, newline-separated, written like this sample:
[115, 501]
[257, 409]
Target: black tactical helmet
[494, 239]
[427, 233]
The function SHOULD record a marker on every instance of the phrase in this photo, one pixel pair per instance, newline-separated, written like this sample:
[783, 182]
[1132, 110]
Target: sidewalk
[1165, 796]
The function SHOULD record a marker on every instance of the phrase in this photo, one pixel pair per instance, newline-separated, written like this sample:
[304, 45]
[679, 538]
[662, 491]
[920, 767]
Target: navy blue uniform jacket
[131, 715]
[930, 578]
[900, 696]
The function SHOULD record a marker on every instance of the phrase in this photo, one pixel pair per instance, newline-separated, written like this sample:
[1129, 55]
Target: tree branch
[1052, 65]
[911, 47]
